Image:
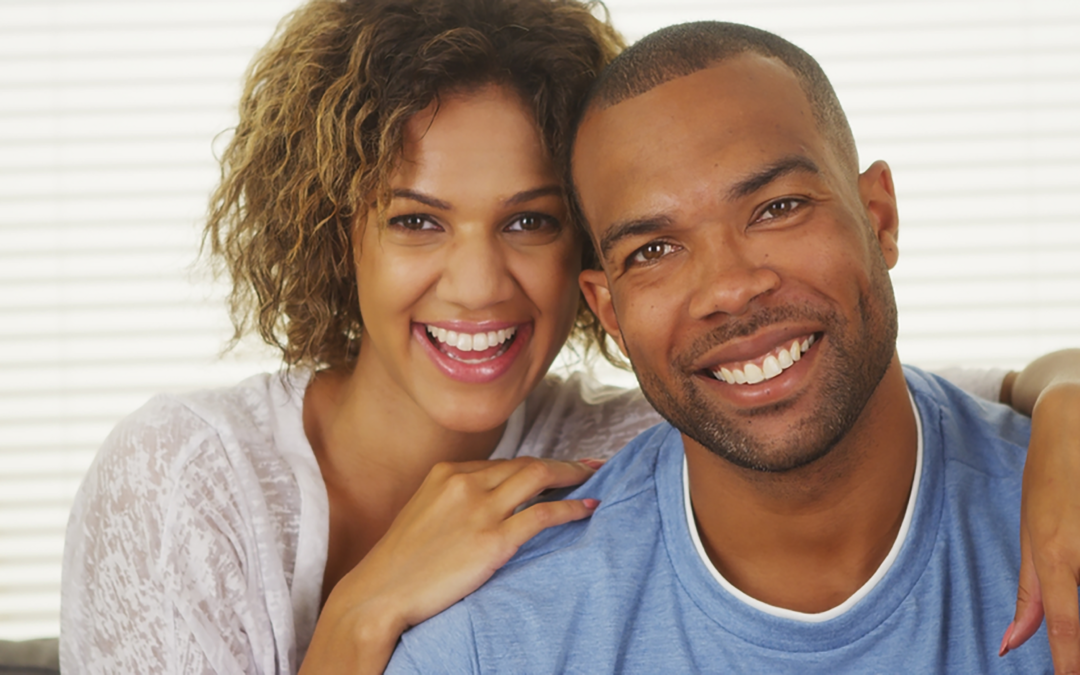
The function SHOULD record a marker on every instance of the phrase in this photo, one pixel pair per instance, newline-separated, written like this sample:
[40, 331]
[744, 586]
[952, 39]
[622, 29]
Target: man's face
[745, 271]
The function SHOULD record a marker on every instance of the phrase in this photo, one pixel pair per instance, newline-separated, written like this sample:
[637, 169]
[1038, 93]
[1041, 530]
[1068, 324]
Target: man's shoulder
[624, 484]
[525, 610]
[988, 437]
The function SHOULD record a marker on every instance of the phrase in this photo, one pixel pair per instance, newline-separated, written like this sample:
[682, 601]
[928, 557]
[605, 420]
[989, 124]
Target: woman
[393, 222]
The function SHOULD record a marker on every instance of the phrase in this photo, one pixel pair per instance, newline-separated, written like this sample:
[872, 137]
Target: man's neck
[808, 539]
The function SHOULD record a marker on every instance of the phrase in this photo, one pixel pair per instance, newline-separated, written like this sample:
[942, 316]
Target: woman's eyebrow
[426, 200]
[529, 195]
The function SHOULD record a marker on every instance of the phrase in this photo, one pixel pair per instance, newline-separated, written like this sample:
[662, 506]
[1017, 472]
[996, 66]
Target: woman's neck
[366, 431]
[374, 446]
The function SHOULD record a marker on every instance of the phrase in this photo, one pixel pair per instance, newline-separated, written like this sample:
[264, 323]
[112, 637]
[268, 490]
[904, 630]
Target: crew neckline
[743, 622]
[855, 598]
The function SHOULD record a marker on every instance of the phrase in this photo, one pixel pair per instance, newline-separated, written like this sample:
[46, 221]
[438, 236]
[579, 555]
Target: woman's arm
[458, 529]
[159, 553]
[1048, 389]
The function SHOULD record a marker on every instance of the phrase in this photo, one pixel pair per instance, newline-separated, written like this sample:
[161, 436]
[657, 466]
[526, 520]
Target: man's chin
[758, 445]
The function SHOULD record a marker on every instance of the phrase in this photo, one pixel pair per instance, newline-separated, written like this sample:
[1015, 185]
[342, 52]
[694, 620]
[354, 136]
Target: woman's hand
[1050, 514]
[453, 534]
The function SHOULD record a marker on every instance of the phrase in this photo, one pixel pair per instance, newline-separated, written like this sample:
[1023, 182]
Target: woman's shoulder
[173, 424]
[578, 416]
[190, 505]
[175, 442]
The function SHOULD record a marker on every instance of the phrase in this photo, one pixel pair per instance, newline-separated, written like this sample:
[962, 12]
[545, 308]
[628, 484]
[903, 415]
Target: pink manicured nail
[592, 463]
[1004, 649]
[590, 503]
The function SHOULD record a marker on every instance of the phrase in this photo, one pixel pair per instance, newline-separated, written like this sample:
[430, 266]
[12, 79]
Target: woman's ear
[878, 198]
[594, 286]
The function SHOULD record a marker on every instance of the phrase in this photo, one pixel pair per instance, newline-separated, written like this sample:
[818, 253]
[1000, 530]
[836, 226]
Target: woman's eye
[651, 252]
[780, 208]
[532, 222]
[414, 223]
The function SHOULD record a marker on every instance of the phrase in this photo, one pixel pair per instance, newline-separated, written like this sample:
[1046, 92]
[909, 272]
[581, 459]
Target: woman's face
[468, 283]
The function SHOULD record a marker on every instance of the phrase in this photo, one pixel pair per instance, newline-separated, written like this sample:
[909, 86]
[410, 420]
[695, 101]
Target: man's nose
[727, 278]
[475, 273]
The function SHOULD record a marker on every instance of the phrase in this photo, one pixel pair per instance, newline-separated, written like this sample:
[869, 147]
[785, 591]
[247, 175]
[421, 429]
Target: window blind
[109, 113]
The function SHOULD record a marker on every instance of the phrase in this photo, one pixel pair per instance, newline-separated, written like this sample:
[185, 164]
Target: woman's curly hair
[320, 133]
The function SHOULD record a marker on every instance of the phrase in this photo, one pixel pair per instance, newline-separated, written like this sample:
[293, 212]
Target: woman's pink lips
[474, 373]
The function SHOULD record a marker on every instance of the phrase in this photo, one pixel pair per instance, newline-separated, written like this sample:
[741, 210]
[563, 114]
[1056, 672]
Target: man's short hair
[677, 51]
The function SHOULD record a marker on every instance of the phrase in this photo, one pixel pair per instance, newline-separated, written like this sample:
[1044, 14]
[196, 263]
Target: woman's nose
[475, 274]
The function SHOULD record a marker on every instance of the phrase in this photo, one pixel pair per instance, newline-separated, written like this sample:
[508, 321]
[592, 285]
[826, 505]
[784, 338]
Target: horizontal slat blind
[108, 117]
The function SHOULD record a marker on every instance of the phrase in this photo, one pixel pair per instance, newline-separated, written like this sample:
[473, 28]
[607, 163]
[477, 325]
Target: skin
[1050, 509]
[703, 268]
[476, 236]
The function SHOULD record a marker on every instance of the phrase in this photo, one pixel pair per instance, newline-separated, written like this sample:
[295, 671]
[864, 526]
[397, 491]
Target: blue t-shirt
[626, 591]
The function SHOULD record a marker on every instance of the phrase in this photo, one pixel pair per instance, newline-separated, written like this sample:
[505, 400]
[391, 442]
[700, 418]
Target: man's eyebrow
[426, 200]
[526, 196]
[751, 184]
[631, 228]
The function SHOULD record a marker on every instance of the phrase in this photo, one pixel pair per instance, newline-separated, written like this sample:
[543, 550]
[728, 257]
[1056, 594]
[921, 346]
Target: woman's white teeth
[773, 365]
[471, 342]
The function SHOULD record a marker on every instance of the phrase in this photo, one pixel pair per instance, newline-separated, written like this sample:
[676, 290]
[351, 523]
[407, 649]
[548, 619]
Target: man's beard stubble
[858, 364]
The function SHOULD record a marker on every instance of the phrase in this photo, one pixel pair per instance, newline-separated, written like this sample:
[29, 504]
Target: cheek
[549, 277]
[648, 320]
[390, 281]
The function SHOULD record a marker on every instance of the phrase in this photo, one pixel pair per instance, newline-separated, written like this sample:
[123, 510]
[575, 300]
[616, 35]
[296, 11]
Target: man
[817, 507]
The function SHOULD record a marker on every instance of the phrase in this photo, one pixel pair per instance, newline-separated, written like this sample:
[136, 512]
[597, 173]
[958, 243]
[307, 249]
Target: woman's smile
[474, 353]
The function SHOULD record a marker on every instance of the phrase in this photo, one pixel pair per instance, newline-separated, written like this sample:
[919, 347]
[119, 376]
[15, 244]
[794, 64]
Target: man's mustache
[748, 324]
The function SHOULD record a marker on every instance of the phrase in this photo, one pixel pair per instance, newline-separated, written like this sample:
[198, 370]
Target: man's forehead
[744, 75]
[744, 110]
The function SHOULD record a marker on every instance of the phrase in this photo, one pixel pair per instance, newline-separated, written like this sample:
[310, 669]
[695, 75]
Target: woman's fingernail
[592, 463]
[590, 503]
[1004, 649]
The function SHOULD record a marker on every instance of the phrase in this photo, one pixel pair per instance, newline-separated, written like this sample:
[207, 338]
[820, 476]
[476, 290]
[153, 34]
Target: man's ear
[594, 286]
[879, 199]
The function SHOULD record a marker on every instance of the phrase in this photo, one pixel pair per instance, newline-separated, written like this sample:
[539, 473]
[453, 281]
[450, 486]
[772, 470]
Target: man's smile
[766, 367]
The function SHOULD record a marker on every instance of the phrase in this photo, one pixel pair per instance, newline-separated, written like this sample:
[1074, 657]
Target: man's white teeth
[753, 374]
[784, 359]
[471, 342]
[773, 365]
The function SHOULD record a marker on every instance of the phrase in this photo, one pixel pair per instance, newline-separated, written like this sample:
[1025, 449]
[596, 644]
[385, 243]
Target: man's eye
[780, 208]
[532, 222]
[651, 252]
[414, 223]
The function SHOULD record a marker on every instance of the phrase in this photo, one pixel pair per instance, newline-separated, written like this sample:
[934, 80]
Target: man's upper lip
[754, 346]
[473, 326]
